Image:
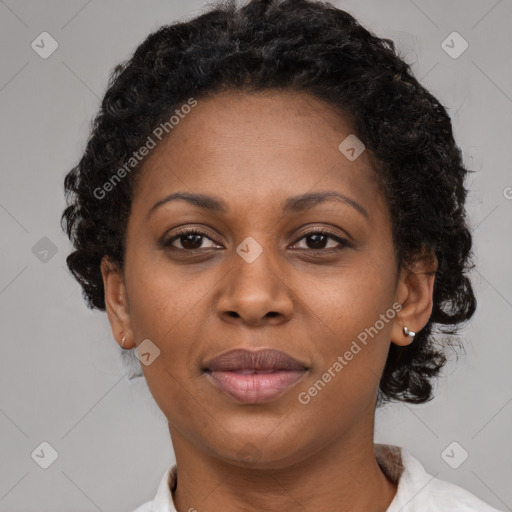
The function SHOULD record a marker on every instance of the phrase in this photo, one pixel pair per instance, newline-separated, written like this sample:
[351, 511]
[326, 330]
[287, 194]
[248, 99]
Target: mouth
[254, 377]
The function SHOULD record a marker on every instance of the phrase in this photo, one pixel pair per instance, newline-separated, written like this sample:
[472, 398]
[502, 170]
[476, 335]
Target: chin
[263, 451]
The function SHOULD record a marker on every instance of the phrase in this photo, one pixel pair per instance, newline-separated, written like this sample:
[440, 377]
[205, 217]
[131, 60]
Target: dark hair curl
[309, 47]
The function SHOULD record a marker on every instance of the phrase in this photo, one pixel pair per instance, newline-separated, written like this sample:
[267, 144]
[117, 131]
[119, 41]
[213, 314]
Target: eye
[190, 240]
[318, 239]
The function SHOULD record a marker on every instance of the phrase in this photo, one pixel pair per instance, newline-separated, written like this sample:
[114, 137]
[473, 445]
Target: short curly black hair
[297, 46]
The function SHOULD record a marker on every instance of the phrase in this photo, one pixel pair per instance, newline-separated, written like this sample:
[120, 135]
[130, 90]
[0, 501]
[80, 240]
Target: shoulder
[163, 500]
[419, 491]
[146, 507]
[442, 494]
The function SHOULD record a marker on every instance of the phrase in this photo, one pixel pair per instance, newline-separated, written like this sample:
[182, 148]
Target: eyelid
[167, 240]
[340, 239]
[320, 229]
[202, 231]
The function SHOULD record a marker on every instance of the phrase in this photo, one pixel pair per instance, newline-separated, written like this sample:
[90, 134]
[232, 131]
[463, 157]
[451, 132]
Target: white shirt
[417, 490]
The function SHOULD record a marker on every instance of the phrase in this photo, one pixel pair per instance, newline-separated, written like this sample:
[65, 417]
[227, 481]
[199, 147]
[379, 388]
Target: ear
[414, 292]
[116, 303]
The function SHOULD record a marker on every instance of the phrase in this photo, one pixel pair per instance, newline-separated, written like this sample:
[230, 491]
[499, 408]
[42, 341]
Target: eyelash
[192, 231]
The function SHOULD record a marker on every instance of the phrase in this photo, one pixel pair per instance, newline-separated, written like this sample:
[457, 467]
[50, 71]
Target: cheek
[350, 355]
[348, 299]
[163, 299]
[165, 308]
[352, 321]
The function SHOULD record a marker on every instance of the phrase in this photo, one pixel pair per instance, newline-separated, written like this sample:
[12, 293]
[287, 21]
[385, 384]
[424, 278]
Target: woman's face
[254, 279]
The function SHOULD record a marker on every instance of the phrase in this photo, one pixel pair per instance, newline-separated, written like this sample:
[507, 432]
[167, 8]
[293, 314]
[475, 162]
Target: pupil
[193, 238]
[193, 241]
[318, 238]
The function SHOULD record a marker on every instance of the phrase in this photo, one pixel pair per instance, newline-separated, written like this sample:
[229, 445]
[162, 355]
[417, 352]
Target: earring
[123, 340]
[409, 333]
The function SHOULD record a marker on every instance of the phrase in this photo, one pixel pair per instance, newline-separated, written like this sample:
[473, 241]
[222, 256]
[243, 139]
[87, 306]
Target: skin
[253, 152]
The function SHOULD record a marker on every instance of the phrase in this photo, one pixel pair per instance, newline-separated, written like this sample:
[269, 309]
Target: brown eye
[318, 240]
[190, 240]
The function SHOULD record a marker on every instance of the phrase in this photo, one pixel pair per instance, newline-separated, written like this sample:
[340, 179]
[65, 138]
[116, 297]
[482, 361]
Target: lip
[253, 377]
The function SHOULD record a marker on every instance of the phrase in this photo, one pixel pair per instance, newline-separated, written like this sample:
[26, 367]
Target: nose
[255, 293]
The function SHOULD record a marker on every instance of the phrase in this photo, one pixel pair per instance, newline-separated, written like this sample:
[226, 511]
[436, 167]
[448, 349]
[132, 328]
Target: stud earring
[123, 340]
[409, 333]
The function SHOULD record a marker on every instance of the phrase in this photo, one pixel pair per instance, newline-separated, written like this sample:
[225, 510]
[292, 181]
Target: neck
[343, 475]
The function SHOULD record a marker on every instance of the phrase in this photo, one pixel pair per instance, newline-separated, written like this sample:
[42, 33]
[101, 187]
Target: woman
[270, 209]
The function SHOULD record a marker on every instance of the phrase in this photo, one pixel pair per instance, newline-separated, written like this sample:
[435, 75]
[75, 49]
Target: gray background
[62, 378]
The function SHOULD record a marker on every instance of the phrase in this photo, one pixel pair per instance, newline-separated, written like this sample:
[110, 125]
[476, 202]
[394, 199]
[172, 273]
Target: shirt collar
[163, 501]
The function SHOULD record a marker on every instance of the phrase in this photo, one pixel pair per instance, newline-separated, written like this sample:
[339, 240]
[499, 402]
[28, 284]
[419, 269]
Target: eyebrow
[293, 204]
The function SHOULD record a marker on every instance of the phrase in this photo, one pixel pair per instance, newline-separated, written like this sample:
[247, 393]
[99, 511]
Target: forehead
[256, 147]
